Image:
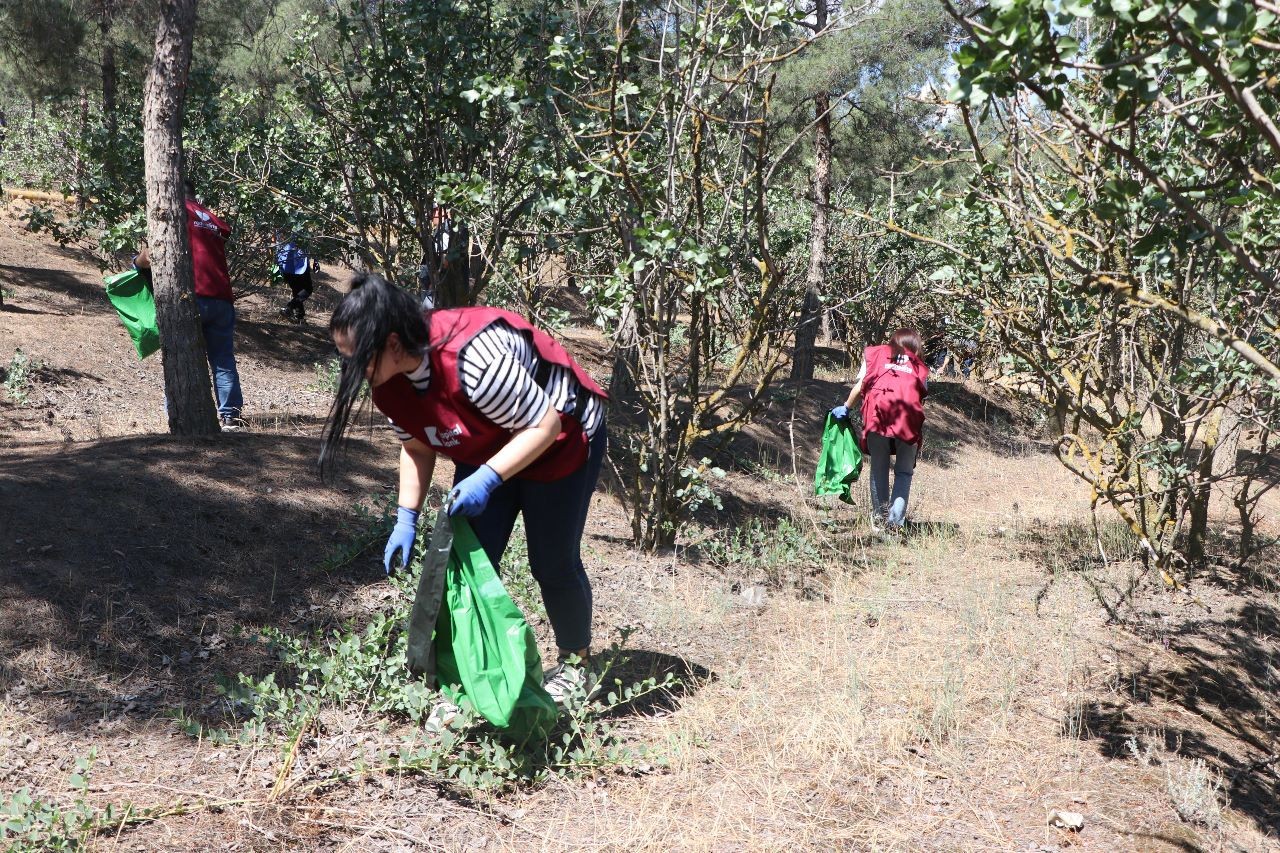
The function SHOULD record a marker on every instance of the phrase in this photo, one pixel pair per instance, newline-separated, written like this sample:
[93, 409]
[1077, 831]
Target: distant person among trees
[4, 135]
[522, 421]
[208, 237]
[295, 269]
[968, 356]
[891, 385]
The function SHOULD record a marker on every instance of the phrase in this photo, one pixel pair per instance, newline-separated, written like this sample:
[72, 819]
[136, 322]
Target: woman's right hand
[402, 538]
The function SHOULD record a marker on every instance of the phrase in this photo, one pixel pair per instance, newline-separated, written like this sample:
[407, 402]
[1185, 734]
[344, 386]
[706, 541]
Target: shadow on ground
[90, 297]
[635, 666]
[17, 309]
[1225, 675]
[128, 566]
[284, 343]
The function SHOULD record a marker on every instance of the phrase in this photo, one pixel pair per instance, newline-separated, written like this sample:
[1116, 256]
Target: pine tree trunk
[802, 362]
[109, 74]
[453, 289]
[186, 371]
[83, 138]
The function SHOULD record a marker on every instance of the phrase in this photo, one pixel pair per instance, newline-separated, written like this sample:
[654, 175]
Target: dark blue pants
[218, 317]
[555, 514]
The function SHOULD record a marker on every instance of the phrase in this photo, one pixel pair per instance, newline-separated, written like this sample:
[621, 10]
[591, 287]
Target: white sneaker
[443, 713]
[568, 682]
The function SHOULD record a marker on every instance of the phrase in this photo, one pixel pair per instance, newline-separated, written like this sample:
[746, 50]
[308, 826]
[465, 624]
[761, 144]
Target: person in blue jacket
[295, 269]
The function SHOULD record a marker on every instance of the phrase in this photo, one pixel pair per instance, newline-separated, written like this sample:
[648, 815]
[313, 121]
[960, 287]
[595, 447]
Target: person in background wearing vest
[295, 269]
[523, 423]
[892, 384]
[208, 235]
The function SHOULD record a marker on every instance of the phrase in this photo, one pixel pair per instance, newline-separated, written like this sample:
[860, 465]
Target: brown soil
[947, 694]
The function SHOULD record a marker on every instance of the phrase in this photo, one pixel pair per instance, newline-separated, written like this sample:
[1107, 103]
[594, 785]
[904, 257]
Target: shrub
[361, 671]
[776, 551]
[18, 377]
[1196, 792]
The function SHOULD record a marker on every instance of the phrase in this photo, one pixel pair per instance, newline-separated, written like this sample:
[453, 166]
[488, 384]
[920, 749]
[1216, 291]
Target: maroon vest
[893, 395]
[208, 236]
[444, 419]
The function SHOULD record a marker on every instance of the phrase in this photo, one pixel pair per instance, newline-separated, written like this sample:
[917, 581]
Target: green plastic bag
[484, 644]
[131, 296]
[840, 462]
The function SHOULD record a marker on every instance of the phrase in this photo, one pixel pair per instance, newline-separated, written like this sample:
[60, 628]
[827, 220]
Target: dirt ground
[950, 693]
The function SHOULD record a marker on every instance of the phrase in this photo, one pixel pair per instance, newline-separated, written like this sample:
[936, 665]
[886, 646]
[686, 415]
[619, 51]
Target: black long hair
[372, 309]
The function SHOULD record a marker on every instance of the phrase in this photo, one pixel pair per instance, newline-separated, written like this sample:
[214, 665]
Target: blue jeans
[218, 319]
[555, 514]
[893, 510]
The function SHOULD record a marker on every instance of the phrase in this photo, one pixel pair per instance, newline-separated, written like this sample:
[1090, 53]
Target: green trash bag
[484, 644]
[130, 294]
[840, 462]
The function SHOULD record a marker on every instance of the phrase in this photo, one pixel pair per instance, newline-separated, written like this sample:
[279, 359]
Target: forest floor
[837, 692]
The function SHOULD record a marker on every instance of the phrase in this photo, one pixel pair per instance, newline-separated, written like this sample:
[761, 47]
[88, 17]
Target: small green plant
[17, 377]
[694, 491]
[327, 375]
[1196, 792]
[40, 218]
[772, 475]
[371, 523]
[779, 551]
[31, 823]
[1144, 749]
[552, 319]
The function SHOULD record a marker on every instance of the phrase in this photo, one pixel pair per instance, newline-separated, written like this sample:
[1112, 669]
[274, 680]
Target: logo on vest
[204, 220]
[448, 438]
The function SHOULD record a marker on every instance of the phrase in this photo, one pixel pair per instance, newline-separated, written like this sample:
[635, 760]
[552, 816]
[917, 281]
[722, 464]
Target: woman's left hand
[471, 496]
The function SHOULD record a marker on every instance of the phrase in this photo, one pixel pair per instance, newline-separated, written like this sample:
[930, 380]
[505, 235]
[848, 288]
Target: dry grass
[939, 698]
[924, 703]
[920, 706]
[943, 695]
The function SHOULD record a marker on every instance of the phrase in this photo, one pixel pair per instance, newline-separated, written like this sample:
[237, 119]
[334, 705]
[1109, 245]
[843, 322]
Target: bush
[360, 671]
[17, 377]
[778, 552]
[1196, 792]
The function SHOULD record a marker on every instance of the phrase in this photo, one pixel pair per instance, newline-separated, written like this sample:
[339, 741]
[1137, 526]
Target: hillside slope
[838, 692]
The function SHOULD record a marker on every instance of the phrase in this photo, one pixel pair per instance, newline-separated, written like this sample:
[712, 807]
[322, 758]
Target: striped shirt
[497, 368]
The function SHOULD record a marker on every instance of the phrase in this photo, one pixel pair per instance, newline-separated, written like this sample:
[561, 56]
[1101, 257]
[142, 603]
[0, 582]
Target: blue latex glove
[471, 496]
[401, 539]
[840, 413]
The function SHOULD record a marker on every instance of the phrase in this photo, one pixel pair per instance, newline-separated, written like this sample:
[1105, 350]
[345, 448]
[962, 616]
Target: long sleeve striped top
[498, 369]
